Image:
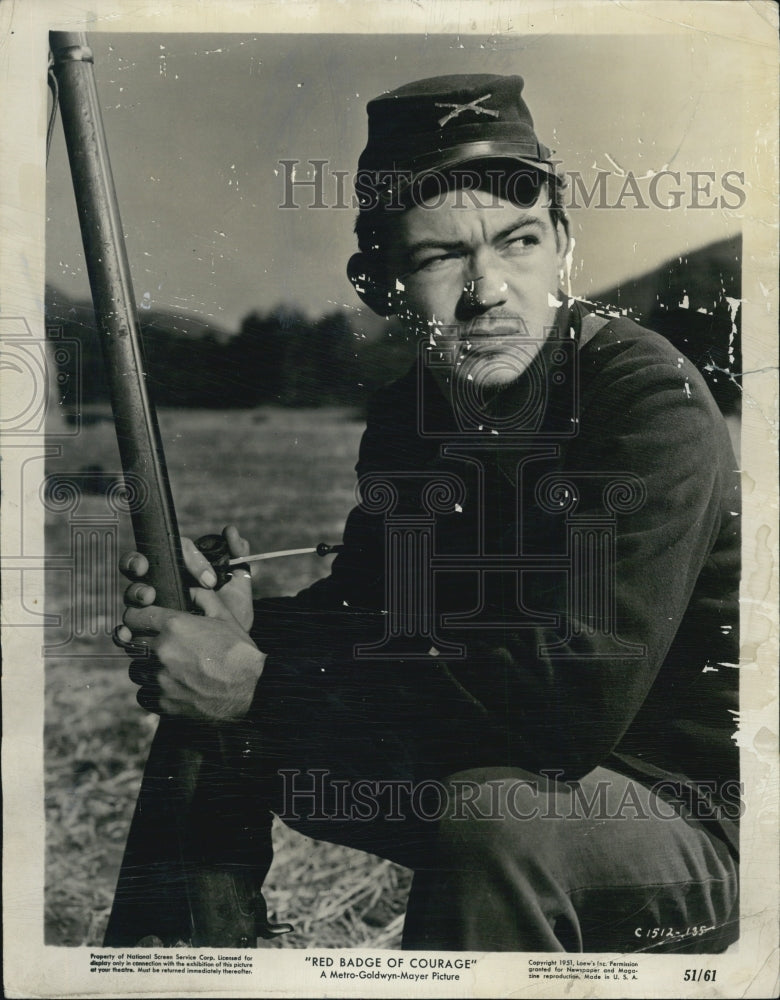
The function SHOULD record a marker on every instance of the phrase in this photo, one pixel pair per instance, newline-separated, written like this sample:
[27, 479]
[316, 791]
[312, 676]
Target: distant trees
[282, 358]
[277, 357]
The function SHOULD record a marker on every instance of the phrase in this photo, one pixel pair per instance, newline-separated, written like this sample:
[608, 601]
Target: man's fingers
[147, 621]
[144, 673]
[197, 564]
[139, 595]
[210, 604]
[123, 638]
[240, 572]
[148, 697]
[237, 545]
[133, 565]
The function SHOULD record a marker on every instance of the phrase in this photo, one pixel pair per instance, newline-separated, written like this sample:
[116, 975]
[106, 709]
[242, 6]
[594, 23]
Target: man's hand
[236, 594]
[187, 665]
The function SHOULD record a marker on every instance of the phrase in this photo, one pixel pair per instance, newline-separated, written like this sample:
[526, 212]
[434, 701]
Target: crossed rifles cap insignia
[457, 109]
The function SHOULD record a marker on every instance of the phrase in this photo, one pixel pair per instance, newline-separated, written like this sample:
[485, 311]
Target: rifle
[170, 889]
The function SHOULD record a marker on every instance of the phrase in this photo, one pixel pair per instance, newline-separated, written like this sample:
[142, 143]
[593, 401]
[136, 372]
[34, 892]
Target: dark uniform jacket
[611, 639]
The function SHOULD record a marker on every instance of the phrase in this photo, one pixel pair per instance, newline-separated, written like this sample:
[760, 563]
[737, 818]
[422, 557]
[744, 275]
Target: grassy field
[286, 478]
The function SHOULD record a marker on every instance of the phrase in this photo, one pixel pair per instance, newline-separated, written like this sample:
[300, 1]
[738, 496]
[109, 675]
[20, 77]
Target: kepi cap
[441, 122]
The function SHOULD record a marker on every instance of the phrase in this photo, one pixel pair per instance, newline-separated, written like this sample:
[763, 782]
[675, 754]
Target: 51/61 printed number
[700, 975]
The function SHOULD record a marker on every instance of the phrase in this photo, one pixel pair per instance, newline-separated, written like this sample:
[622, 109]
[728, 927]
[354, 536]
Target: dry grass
[333, 896]
[288, 483]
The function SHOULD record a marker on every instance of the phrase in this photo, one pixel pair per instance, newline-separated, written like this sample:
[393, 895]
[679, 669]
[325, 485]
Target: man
[525, 649]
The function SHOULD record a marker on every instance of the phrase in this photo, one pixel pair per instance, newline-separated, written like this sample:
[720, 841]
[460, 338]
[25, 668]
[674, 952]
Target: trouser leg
[539, 874]
[542, 876]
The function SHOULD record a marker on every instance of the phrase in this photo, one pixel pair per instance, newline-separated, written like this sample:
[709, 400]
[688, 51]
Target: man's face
[481, 277]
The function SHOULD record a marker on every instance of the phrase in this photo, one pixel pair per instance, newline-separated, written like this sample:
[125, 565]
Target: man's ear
[562, 237]
[370, 285]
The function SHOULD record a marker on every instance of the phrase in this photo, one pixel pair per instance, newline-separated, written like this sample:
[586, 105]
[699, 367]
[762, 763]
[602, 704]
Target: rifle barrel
[164, 893]
[138, 435]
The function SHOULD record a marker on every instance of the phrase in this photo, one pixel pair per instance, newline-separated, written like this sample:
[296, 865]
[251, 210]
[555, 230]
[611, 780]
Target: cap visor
[473, 152]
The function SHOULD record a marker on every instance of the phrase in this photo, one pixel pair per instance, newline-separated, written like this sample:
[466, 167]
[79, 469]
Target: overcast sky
[197, 125]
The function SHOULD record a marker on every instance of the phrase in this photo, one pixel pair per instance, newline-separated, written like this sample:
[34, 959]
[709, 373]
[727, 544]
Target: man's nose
[485, 288]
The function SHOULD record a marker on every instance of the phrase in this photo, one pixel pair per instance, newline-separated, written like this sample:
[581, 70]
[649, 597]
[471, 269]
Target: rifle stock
[166, 891]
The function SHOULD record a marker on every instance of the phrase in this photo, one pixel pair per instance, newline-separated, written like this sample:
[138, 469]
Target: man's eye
[522, 242]
[431, 263]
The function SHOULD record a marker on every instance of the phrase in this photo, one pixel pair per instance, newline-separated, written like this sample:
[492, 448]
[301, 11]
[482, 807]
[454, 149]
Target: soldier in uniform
[518, 678]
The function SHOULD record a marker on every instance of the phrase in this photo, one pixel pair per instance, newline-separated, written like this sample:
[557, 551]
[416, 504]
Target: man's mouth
[483, 329]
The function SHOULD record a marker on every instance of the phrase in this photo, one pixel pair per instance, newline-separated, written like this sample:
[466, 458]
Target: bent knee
[494, 816]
